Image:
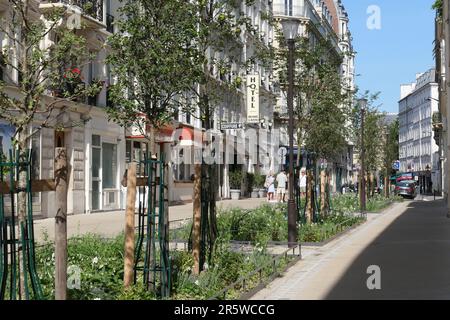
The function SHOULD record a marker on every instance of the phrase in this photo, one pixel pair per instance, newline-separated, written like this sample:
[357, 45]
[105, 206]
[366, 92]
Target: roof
[389, 118]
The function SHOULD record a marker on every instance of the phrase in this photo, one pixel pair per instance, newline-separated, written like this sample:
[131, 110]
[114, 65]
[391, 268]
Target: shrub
[235, 179]
[259, 181]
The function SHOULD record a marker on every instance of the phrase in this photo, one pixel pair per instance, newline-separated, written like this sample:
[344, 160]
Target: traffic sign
[396, 165]
[231, 126]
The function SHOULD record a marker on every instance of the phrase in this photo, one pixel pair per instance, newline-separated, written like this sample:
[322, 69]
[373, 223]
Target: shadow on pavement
[413, 254]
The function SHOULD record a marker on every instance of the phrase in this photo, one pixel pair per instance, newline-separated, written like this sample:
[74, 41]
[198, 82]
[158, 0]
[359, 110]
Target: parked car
[406, 189]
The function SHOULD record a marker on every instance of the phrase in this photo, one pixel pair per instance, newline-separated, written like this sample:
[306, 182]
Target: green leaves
[154, 58]
[322, 104]
[41, 66]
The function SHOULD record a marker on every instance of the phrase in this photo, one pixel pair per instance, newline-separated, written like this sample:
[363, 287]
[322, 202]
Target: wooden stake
[309, 199]
[323, 197]
[61, 224]
[197, 219]
[128, 276]
[386, 187]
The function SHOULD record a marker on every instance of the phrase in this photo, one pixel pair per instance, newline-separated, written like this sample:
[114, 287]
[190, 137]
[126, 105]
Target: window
[288, 7]
[188, 118]
[36, 155]
[182, 171]
[96, 140]
[128, 151]
[109, 165]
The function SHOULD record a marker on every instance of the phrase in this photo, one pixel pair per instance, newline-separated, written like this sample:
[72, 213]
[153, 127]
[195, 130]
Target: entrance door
[96, 174]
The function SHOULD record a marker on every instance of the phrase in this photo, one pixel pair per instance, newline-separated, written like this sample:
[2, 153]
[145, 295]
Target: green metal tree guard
[153, 230]
[208, 209]
[11, 246]
[298, 200]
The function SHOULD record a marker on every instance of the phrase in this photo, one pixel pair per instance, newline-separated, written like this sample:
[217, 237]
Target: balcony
[91, 10]
[297, 9]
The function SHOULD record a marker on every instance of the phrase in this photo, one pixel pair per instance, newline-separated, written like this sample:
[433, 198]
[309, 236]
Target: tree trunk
[22, 211]
[310, 197]
[372, 184]
[197, 219]
[327, 195]
[152, 142]
[61, 224]
[323, 196]
[128, 276]
[387, 186]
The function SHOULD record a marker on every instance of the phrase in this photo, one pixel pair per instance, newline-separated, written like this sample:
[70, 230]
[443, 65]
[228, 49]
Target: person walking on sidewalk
[281, 185]
[270, 185]
[302, 183]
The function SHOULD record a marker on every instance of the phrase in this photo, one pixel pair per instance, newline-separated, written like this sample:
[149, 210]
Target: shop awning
[186, 136]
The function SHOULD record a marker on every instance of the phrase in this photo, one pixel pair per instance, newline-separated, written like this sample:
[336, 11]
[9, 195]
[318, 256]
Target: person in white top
[302, 183]
[281, 186]
[270, 185]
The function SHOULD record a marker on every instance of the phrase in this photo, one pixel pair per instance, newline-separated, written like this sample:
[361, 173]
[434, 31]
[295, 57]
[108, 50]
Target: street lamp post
[290, 30]
[363, 104]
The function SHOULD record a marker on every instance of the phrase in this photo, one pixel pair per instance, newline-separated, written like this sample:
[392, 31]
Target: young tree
[221, 26]
[322, 105]
[155, 61]
[373, 137]
[390, 152]
[41, 78]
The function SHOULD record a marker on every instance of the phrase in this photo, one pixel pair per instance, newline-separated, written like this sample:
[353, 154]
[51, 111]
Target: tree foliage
[391, 148]
[35, 70]
[323, 106]
[224, 27]
[373, 132]
[155, 60]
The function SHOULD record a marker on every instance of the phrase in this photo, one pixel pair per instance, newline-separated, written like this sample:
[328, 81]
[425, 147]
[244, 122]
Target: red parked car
[406, 189]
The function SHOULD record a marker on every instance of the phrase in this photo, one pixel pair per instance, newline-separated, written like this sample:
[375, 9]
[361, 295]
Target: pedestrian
[286, 189]
[281, 186]
[302, 183]
[270, 186]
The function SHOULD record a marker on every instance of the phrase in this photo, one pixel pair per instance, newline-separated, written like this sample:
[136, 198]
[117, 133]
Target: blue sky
[392, 55]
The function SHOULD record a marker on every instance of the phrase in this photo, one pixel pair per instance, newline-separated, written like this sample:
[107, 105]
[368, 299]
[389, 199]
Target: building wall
[417, 147]
[329, 20]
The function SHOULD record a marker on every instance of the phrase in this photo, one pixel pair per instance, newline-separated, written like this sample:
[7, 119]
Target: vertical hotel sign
[253, 98]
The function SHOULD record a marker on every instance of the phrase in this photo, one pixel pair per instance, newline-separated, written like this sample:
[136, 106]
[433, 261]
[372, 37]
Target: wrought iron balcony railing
[92, 8]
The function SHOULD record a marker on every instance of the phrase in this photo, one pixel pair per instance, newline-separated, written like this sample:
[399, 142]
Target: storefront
[104, 165]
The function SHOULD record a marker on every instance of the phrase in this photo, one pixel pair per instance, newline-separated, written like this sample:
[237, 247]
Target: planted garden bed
[96, 264]
[96, 271]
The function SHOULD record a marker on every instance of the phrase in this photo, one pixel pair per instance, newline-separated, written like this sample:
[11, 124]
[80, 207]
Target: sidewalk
[320, 270]
[109, 224]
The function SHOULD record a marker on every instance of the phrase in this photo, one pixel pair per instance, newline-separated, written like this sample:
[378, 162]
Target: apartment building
[441, 118]
[418, 151]
[324, 19]
[99, 150]
[440, 124]
[96, 147]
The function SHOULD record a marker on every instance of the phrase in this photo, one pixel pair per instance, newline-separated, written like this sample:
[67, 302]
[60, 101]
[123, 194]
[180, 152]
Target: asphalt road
[413, 254]
[409, 242]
